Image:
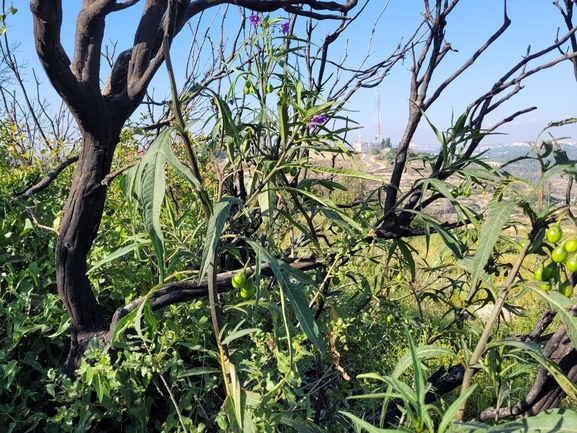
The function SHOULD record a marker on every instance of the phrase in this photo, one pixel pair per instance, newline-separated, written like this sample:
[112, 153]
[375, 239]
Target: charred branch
[545, 392]
[45, 183]
[186, 290]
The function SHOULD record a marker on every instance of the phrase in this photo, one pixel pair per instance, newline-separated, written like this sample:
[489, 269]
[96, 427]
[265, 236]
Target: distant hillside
[504, 152]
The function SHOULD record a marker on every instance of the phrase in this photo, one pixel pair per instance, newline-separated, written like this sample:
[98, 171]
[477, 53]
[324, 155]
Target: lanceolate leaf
[300, 425]
[450, 413]
[407, 254]
[219, 216]
[497, 215]
[348, 173]
[148, 183]
[120, 252]
[362, 425]
[294, 293]
[422, 352]
[442, 188]
[561, 305]
[447, 237]
[329, 204]
[153, 179]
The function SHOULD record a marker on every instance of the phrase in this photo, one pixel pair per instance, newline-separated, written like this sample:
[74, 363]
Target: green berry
[239, 279]
[554, 233]
[559, 254]
[247, 290]
[571, 245]
[572, 264]
[539, 270]
[566, 289]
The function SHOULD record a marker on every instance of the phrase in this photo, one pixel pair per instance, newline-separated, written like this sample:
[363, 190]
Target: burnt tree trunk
[81, 219]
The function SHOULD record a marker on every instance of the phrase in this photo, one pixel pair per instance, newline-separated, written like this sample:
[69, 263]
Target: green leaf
[266, 201]
[441, 187]
[497, 215]
[534, 351]
[422, 352]
[101, 386]
[239, 334]
[467, 265]
[407, 254]
[363, 425]
[294, 293]
[197, 371]
[300, 425]
[348, 173]
[448, 238]
[119, 253]
[329, 204]
[451, 412]
[283, 118]
[153, 188]
[561, 305]
[27, 227]
[216, 223]
[555, 420]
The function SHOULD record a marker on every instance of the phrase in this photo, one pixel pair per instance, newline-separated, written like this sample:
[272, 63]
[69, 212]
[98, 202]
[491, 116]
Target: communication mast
[378, 136]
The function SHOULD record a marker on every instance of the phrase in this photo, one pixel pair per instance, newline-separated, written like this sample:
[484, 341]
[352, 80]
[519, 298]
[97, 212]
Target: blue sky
[534, 22]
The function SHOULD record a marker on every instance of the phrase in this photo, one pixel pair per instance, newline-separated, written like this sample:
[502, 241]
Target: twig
[110, 177]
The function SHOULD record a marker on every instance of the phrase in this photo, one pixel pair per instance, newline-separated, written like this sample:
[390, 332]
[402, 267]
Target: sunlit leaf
[220, 214]
[497, 215]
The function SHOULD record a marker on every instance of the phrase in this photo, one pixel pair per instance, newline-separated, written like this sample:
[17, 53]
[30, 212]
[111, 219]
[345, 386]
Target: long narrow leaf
[561, 305]
[555, 420]
[497, 215]
[294, 293]
[216, 223]
[362, 424]
[449, 415]
[422, 352]
[119, 253]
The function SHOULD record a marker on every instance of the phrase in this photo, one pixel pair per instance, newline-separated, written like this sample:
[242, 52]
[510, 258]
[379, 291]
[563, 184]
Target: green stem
[215, 310]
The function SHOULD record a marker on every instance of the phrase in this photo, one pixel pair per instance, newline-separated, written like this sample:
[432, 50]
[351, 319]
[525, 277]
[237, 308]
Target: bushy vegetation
[250, 284]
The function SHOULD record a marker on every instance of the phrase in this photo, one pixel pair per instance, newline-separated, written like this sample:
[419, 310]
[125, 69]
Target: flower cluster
[256, 21]
[317, 120]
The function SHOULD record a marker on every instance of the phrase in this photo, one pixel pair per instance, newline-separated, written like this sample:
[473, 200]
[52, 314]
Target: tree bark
[81, 218]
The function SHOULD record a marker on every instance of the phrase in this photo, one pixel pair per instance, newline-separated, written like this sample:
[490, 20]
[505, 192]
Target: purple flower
[284, 28]
[255, 20]
[231, 101]
[317, 119]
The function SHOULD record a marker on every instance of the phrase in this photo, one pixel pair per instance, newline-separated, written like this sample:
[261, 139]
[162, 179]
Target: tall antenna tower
[378, 136]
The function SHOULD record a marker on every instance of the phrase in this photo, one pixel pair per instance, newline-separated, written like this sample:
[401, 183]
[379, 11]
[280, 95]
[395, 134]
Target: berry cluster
[245, 286]
[562, 253]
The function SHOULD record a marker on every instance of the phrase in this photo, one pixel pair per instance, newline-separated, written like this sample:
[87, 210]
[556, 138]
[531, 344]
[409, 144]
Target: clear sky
[534, 23]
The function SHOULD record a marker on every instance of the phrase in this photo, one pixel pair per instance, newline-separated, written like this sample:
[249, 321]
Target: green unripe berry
[239, 279]
[554, 233]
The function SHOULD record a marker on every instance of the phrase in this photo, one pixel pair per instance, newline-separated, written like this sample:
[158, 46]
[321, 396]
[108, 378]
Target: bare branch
[110, 177]
[44, 183]
[186, 290]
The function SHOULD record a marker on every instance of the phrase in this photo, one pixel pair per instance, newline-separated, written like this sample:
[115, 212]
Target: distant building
[366, 146]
